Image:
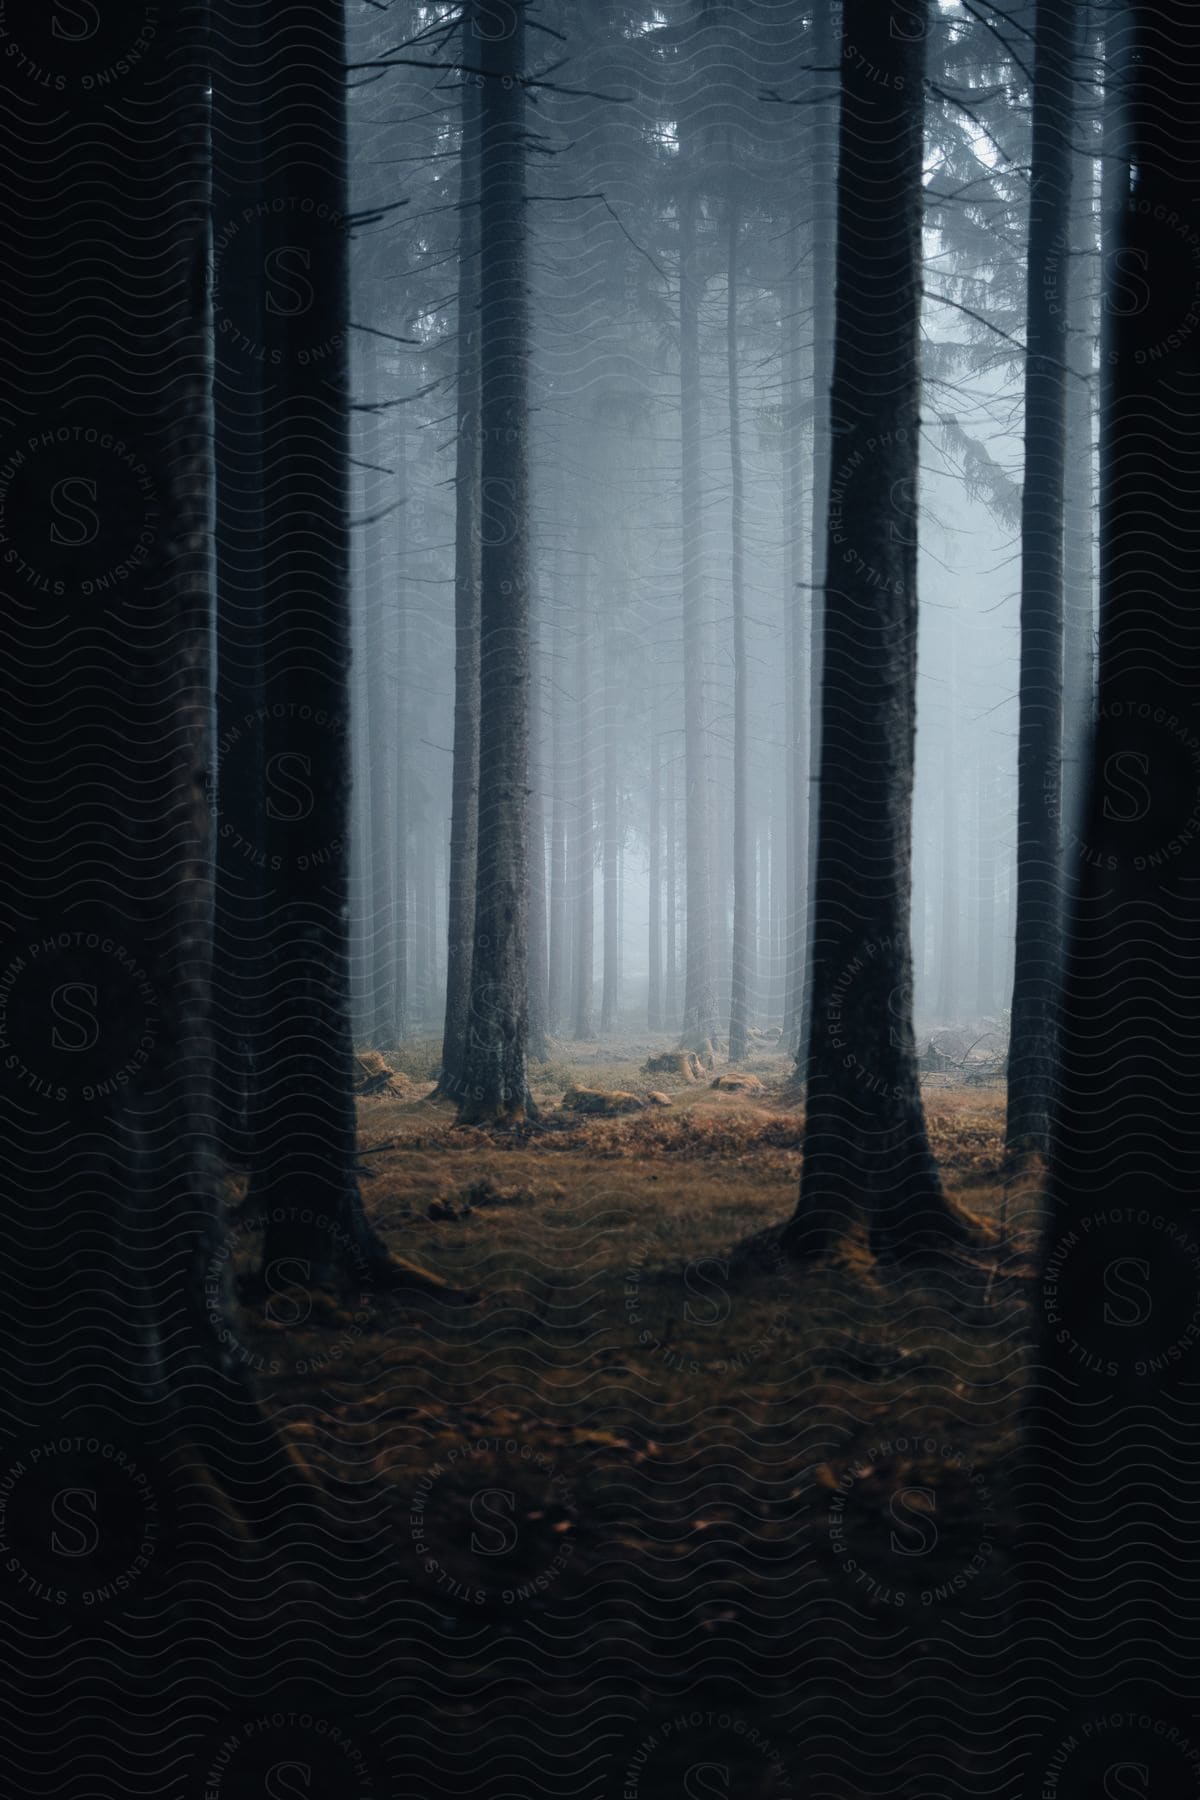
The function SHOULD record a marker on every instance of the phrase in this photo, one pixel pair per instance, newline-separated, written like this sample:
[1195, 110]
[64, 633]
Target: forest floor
[642, 1466]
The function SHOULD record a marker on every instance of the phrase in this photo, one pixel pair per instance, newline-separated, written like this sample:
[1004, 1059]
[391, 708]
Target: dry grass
[681, 1417]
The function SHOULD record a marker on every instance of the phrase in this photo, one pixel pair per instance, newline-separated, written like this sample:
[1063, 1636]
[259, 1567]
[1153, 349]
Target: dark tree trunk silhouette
[496, 1078]
[823, 178]
[950, 872]
[699, 999]
[1032, 1051]
[654, 992]
[796, 638]
[1079, 523]
[383, 758]
[115, 1310]
[303, 1183]
[464, 806]
[671, 979]
[560, 916]
[584, 859]
[238, 996]
[611, 841]
[1122, 284]
[985, 886]
[743, 876]
[866, 1151]
[1109, 1573]
[539, 949]
[402, 912]
[919, 909]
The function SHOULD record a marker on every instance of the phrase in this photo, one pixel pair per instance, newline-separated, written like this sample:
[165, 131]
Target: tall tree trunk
[654, 992]
[496, 1085]
[114, 1316]
[585, 834]
[1079, 574]
[699, 1000]
[1122, 283]
[381, 747]
[782, 896]
[464, 802]
[560, 919]
[671, 985]
[866, 1151]
[612, 845]
[1032, 1051]
[237, 436]
[402, 909]
[824, 187]
[919, 909]
[744, 916]
[796, 657]
[1116, 1358]
[947, 1004]
[539, 949]
[302, 1180]
[985, 887]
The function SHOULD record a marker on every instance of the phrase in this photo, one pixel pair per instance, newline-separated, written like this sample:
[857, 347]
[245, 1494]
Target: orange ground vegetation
[659, 1412]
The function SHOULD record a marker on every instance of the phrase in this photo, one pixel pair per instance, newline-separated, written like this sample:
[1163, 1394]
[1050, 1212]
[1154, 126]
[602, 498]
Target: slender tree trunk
[585, 836]
[947, 1004]
[743, 875]
[823, 179]
[985, 889]
[699, 1001]
[237, 435]
[782, 895]
[919, 908]
[612, 846]
[866, 1151]
[539, 949]
[1079, 573]
[796, 658]
[381, 748]
[464, 804]
[402, 907]
[305, 1148]
[303, 1183]
[496, 1085]
[654, 996]
[1032, 1054]
[1122, 284]
[671, 996]
[560, 924]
